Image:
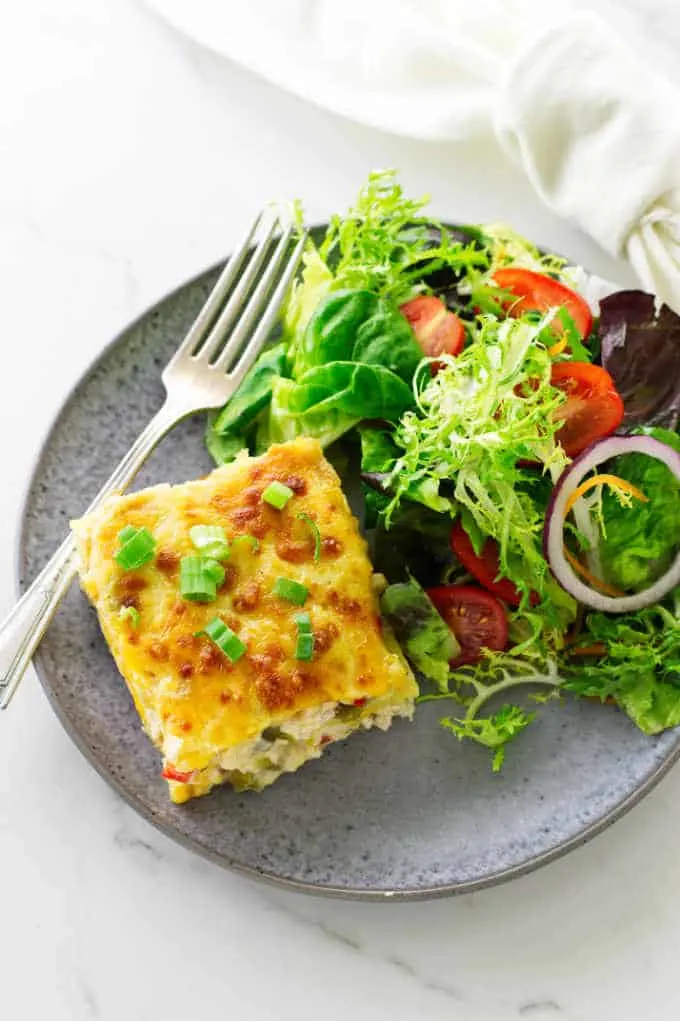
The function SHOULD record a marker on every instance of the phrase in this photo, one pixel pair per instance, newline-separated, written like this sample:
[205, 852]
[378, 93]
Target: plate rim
[353, 893]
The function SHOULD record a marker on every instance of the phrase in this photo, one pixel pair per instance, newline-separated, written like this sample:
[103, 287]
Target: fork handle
[22, 630]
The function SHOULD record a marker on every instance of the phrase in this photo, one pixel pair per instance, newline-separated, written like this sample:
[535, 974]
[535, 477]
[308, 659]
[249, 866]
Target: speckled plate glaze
[407, 814]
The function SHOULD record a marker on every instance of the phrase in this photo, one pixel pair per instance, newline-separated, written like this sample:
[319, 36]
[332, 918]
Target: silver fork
[204, 372]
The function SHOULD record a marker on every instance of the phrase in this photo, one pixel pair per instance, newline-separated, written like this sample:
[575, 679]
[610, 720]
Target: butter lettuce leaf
[363, 391]
[330, 400]
[284, 421]
[639, 539]
[358, 326]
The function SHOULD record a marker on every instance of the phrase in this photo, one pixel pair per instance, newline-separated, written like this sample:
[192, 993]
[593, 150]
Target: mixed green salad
[519, 458]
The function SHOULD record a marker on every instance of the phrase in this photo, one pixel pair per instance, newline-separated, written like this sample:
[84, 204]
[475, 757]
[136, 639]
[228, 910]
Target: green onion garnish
[199, 578]
[304, 650]
[291, 590]
[277, 495]
[304, 623]
[249, 539]
[225, 639]
[131, 614]
[210, 540]
[214, 570]
[314, 529]
[138, 547]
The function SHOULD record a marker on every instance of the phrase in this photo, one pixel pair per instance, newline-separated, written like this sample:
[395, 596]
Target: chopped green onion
[138, 547]
[293, 591]
[226, 640]
[305, 647]
[305, 637]
[249, 539]
[314, 528]
[304, 623]
[131, 614]
[277, 495]
[199, 578]
[214, 570]
[210, 540]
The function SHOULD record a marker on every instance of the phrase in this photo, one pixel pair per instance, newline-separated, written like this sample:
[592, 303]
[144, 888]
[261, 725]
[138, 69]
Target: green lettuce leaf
[230, 430]
[416, 545]
[378, 455]
[313, 284]
[494, 732]
[354, 389]
[641, 668]
[222, 447]
[254, 393]
[384, 251]
[378, 450]
[424, 637]
[358, 326]
[639, 539]
[497, 673]
[283, 422]
[330, 400]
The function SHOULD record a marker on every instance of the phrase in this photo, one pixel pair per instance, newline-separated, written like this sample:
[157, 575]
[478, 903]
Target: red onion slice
[553, 532]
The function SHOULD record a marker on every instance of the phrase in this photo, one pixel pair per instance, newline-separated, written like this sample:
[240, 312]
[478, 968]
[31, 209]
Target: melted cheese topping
[194, 703]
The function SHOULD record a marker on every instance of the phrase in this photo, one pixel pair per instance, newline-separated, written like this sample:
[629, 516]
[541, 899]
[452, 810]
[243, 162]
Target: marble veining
[539, 1008]
[400, 964]
[125, 840]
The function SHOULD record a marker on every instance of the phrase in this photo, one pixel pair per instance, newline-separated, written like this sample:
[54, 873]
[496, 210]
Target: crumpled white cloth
[596, 130]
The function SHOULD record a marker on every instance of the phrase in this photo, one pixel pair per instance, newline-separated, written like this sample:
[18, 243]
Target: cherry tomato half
[593, 408]
[476, 618]
[537, 293]
[438, 331]
[485, 568]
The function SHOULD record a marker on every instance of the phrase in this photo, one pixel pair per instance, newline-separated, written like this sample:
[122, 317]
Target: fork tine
[215, 301]
[268, 318]
[239, 331]
[230, 313]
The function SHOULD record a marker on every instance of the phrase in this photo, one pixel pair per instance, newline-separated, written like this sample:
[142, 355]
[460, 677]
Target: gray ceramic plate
[411, 813]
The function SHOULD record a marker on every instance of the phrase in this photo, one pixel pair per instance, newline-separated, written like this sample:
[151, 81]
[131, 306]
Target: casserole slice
[225, 682]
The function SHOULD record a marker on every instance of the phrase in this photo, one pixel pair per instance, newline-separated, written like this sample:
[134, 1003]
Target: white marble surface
[129, 159]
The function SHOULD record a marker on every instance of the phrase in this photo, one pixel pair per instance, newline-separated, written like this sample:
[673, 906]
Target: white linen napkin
[595, 129]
